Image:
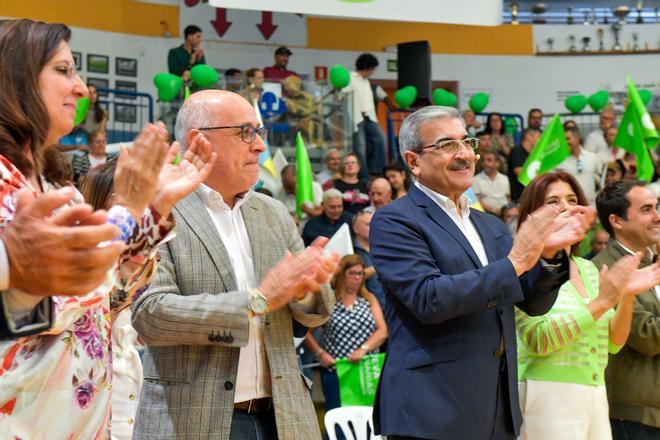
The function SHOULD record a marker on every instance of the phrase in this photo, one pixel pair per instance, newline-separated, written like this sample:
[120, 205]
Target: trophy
[638, 8]
[550, 41]
[635, 37]
[571, 40]
[513, 6]
[538, 9]
[600, 33]
[585, 44]
[621, 12]
[569, 19]
[616, 28]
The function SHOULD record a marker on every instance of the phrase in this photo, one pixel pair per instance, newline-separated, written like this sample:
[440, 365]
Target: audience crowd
[588, 366]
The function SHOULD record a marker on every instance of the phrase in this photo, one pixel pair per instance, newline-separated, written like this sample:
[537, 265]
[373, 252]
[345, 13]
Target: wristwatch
[364, 347]
[258, 302]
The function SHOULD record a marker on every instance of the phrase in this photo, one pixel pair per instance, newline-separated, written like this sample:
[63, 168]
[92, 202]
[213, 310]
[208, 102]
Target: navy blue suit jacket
[446, 314]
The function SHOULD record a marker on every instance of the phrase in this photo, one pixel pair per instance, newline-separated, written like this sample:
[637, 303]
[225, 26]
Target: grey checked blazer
[194, 322]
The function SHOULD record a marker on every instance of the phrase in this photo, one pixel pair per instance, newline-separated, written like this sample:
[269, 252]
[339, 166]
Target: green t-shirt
[178, 60]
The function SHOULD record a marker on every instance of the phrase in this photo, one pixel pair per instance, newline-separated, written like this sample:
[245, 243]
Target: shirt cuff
[4, 267]
[25, 313]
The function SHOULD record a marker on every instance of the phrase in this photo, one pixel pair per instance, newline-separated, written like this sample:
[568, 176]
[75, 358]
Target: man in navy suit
[451, 277]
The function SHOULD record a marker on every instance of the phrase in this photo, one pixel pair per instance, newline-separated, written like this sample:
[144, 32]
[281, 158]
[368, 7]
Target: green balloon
[203, 75]
[510, 125]
[598, 100]
[479, 101]
[82, 106]
[405, 96]
[445, 98]
[339, 76]
[168, 85]
[646, 96]
[575, 103]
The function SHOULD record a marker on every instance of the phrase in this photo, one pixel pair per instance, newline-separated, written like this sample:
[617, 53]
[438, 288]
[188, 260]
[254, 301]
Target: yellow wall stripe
[123, 16]
[136, 18]
[360, 35]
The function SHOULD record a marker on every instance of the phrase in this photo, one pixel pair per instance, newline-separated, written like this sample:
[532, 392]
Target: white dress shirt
[461, 219]
[253, 379]
[363, 98]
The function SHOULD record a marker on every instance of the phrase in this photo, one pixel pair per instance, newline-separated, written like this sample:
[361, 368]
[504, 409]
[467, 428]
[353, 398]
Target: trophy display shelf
[578, 53]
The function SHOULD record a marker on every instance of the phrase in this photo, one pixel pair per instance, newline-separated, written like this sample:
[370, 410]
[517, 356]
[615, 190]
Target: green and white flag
[551, 150]
[358, 382]
[637, 134]
[304, 192]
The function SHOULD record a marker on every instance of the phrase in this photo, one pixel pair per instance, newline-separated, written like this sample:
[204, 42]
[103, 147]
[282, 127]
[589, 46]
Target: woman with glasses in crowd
[355, 328]
[562, 355]
[57, 383]
[499, 138]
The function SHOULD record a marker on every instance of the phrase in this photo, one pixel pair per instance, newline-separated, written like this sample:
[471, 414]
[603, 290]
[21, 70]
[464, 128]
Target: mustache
[459, 164]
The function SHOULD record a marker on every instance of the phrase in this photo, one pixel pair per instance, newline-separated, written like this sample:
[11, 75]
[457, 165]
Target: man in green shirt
[628, 211]
[181, 59]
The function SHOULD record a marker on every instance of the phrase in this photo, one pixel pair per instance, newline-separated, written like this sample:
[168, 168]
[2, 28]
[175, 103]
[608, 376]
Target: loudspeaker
[414, 69]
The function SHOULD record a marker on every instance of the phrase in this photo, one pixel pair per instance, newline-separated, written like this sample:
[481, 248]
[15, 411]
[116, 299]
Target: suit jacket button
[229, 386]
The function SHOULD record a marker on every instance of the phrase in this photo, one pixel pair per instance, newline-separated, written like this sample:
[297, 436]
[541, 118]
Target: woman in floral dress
[57, 384]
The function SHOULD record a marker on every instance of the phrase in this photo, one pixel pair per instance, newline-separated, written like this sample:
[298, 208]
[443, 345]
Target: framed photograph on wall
[126, 66]
[126, 113]
[100, 83]
[130, 86]
[78, 61]
[98, 63]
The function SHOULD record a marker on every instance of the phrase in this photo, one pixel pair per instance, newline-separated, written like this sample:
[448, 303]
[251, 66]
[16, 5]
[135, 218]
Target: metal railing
[128, 112]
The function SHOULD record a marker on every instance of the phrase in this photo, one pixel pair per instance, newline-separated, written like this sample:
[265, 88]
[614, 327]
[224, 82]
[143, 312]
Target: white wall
[516, 83]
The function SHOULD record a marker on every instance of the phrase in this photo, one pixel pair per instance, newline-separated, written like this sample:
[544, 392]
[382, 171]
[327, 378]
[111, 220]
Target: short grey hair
[332, 193]
[194, 114]
[409, 137]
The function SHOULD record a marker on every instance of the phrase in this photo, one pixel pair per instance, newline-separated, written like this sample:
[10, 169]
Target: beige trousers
[566, 411]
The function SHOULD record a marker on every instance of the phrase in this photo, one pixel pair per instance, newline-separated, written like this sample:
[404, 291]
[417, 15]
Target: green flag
[551, 150]
[358, 382]
[637, 133]
[304, 191]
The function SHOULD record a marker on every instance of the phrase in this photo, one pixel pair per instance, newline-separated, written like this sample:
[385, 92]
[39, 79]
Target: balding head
[227, 120]
[206, 109]
[380, 192]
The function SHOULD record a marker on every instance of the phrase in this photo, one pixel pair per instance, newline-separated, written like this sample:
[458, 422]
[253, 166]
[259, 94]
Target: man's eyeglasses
[248, 132]
[451, 146]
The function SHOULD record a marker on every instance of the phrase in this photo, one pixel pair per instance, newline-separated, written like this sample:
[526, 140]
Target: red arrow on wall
[266, 27]
[220, 24]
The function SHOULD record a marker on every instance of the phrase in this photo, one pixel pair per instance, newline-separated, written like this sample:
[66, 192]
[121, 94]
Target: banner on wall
[470, 12]
[253, 26]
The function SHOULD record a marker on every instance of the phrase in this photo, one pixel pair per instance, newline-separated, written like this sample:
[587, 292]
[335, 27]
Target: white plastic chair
[360, 418]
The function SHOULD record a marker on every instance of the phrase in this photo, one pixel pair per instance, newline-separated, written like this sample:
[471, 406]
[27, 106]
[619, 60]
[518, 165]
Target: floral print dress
[57, 384]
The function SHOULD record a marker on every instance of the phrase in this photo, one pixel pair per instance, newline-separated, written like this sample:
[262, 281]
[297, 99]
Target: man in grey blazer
[217, 320]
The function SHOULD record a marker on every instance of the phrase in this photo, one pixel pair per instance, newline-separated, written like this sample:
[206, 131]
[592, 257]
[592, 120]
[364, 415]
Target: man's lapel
[255, 226]
[486, 236]
[193, 212]
[441, 218]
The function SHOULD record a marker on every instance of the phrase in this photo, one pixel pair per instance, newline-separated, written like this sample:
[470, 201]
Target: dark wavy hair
[99, 183]
[533, 197]
[489, 121]
[25, 48]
